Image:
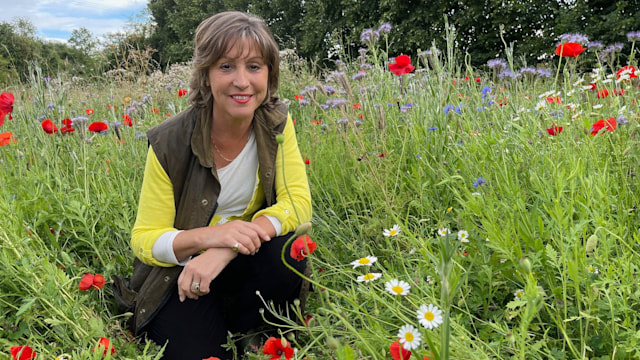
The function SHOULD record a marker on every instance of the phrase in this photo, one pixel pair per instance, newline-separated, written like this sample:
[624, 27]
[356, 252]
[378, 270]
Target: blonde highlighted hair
[214, 37]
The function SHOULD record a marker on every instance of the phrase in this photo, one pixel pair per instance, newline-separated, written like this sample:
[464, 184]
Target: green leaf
[345, 353]
[26, 305]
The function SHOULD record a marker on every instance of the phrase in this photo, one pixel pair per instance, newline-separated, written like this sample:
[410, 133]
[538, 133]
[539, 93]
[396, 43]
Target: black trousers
[197, 329]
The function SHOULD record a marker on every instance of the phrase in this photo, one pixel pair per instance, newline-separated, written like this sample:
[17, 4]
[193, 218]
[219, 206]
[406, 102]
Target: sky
[55, 19]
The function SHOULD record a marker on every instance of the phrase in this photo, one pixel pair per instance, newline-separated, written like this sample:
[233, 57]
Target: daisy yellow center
[519, 294]
[397, 289]
[368, 276]
[364, 261]
[429, 316]
[449, 209]
[393, 232]
[409, 337]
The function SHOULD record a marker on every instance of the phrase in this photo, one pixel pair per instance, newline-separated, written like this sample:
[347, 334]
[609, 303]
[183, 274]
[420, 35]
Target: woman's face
[239, 82]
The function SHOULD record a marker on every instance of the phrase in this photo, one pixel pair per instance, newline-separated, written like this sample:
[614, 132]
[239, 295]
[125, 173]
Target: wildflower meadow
[459, 212]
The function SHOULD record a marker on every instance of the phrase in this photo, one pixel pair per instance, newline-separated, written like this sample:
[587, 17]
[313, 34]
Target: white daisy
[395, 230]
[463, 236]
[365, 261]
[430, 280]
[519, 294]
[593, 269]
[397, 287]
[429, 316]
[368, 277]
[409, 337]
[443, 231]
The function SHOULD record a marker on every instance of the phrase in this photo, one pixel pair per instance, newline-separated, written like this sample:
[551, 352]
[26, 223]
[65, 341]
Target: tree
[83, 40]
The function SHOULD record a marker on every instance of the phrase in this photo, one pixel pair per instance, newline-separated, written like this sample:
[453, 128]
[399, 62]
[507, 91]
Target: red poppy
[105, 344]
[49, 127]
[98, 281]
[298, 97]
[402, 65]
[307, 161]
[302, 247]
[127, 120]
[316, 122]
[569, 49]
[627, 69]
[398, 352]
[67, 126]
[478, 80]
[155, 111]
[555, 99]
[22, 352]
[86, 282]
[97, 126]
[7, 138]
[610, 124]
[6, 106]
[89, 111]
[602, 93]
[277, 348]
[182, 92]
[555, 130]
[212, 358]
[619, 92]
[356, 106]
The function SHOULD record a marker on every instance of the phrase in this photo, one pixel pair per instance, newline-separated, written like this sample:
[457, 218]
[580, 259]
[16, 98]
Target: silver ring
[196, 286]
[235, 247]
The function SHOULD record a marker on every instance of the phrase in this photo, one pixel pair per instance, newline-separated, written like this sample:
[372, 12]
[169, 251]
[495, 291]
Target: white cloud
[62, 16]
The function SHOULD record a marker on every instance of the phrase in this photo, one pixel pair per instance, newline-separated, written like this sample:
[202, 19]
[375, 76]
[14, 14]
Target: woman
[214, 210]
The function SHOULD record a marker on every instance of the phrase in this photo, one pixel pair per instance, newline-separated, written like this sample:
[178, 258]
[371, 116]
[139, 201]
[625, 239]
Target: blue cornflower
[433, 128]
[485, 92]
[479, 182]
[51, 106]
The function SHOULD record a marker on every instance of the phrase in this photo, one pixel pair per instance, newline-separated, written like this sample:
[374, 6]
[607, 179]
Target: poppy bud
[332, 343]
[280, 138]
[303, 229]
[525, 265]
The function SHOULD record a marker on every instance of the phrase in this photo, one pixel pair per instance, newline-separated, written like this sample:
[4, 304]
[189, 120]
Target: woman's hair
[219, 33]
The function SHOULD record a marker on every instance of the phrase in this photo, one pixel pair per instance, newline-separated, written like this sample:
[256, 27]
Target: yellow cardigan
[156, 208]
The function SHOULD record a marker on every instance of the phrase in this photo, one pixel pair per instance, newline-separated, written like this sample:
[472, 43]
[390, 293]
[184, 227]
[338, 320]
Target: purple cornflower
[594, 45]
[543, 72]
[384, 28]
[633, 36]
[622, 120]
[46, 79]
[574, 37]
[406, 107]
[497, 64]
[527, 71]
[359, 75]
[506, 73]
[368, 35]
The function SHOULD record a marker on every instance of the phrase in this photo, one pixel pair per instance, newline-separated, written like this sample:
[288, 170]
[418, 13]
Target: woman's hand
[244, 237]
[197, 275]
[241, 236]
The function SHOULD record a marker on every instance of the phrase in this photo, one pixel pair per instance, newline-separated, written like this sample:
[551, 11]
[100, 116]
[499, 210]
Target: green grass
[566, 203]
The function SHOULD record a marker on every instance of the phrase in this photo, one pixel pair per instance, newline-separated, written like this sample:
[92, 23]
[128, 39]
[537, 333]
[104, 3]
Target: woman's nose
[241, 79]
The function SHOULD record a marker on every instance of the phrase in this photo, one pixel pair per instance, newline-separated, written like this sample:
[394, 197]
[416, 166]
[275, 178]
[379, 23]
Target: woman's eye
[225, 67]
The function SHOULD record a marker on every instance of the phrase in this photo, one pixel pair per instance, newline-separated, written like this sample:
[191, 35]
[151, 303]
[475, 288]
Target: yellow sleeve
[156, 210]
[294, 172]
